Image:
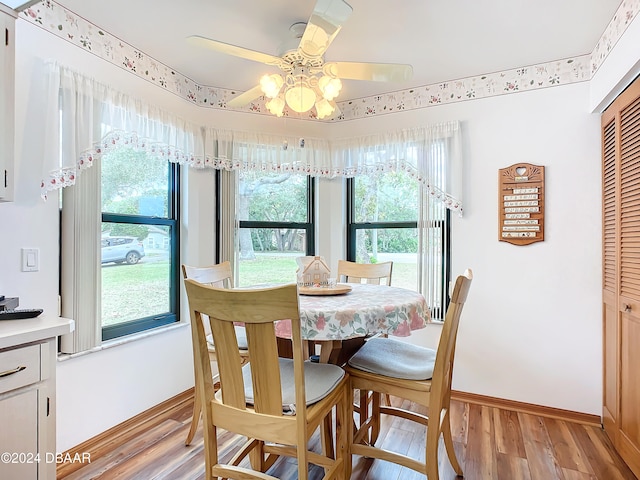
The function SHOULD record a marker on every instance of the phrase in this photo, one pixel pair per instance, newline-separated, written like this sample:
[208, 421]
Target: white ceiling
[442, 39]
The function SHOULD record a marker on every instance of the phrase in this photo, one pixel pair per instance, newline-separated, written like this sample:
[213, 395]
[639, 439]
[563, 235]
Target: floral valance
[85, 118]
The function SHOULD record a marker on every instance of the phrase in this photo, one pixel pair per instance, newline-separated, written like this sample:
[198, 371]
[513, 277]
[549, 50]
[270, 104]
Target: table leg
[329, 350]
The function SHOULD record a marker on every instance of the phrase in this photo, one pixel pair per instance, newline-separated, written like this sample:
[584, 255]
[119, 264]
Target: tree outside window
[275, 213]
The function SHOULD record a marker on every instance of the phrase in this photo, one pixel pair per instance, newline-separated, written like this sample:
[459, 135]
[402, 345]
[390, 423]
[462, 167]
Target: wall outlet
[30, 259]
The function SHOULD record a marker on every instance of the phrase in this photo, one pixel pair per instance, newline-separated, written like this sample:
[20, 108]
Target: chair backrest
[443, 368]
[365, 272]
[215, 275]
[258, 309]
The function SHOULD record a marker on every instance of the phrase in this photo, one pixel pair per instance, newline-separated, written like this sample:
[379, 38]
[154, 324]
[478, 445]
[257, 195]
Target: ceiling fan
[306, 80]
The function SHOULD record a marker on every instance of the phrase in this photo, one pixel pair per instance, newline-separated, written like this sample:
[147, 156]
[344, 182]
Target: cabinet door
[19, 436]
[7, 72]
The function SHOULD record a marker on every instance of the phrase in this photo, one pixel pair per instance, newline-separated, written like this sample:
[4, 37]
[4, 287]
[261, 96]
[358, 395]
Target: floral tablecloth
[366, 310]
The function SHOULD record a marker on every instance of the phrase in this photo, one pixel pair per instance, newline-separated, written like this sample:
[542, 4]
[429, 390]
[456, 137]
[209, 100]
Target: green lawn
[267, 269]
[136, 291]
[273, 268]
[130, 292]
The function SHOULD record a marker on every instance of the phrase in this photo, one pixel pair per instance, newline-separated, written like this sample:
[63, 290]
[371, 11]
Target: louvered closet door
[610, 214]
[629, 441]
[621, 273]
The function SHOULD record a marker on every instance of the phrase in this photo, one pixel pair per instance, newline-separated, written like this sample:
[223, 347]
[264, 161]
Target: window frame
[309, 227]
[111, 332]
[353, 227]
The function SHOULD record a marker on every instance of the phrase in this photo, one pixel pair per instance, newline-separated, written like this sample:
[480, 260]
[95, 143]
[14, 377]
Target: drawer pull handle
[11, 372]
[627, 307]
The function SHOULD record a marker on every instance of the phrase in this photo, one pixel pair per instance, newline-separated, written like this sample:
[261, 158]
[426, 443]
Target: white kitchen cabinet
[27, 397]
[7, 101]
[20, 452]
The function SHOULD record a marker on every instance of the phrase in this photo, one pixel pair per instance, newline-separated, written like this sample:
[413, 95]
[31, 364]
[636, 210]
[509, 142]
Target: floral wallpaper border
[623, 17]
[63, 23]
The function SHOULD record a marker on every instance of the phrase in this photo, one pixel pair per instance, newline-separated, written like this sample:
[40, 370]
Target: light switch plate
[30, 259]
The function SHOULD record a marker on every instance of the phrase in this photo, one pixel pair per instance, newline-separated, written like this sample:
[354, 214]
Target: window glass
[272, 197]
[399, 245]
[136, 280]
[276, 226]
[389, 197]
[387, 202]
[274, 256]
[138, 242]
[134, 183]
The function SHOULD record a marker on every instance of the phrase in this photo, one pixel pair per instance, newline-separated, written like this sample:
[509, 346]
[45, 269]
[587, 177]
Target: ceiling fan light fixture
[305, 80]
[271, 84]
[329, 86]
[276, 106]
[300, 97]
[323, 108]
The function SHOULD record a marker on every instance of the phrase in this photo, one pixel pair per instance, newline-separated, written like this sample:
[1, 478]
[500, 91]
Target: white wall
[531, 329]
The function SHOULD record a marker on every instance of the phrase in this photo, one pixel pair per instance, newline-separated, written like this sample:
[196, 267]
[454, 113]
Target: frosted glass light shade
[275, 106]
[330, 87]
[300, 98]
[324, 109]
[271, 85]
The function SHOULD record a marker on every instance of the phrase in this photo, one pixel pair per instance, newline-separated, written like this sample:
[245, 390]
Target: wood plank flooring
[491, 443]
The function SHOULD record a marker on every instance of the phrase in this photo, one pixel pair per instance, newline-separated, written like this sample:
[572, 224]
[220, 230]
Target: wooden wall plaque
[521, 204]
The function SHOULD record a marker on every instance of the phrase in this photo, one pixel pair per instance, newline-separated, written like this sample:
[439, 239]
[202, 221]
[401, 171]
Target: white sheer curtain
[408, 150]
[85, 118]
[100, 118]
[127, 120]
[414, 151]
[248, 151]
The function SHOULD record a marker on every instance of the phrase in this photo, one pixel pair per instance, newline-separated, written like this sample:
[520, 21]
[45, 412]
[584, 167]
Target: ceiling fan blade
[377, 72]
[233, 50]
[245, 97]
[325, 23]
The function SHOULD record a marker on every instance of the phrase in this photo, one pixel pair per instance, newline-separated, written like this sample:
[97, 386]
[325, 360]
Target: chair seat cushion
[241, 336]
[393, 358]
[319, 381]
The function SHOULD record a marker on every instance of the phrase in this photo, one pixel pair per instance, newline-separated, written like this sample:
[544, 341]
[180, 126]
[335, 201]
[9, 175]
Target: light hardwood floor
[491, 443]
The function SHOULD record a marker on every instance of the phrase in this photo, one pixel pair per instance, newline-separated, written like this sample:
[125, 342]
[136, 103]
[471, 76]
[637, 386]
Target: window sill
[123, 340]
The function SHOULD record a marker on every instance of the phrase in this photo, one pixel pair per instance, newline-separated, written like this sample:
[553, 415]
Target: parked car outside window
[121, 250]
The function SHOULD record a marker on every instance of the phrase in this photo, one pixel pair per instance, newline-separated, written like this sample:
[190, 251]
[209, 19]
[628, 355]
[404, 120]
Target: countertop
[18, 332]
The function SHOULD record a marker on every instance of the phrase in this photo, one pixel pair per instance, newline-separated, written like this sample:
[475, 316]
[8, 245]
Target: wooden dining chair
[375, 273]
[417, 374]
[277, 403]
[217, 276]
[372, 273]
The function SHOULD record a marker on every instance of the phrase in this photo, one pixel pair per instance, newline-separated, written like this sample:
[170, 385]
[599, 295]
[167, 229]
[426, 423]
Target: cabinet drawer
[19, 367]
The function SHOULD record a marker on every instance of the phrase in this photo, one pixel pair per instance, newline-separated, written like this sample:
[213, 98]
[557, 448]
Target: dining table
[362, 310]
